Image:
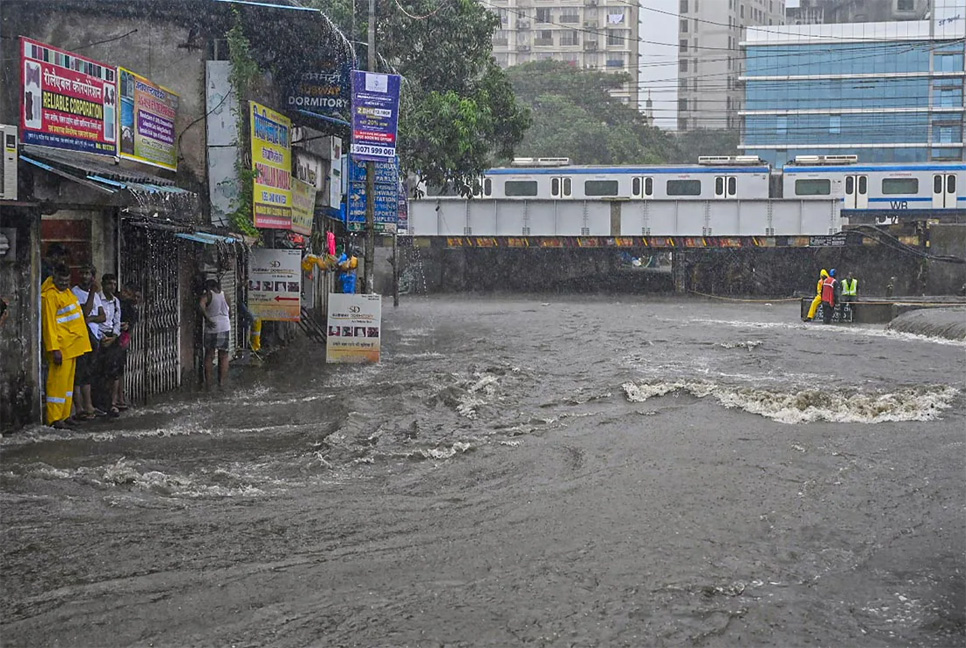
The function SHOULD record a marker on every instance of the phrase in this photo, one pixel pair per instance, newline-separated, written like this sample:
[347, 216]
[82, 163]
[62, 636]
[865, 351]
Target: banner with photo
[275, 284]
[272, 159]
[354, 330]
[147, 119]
[68, 101]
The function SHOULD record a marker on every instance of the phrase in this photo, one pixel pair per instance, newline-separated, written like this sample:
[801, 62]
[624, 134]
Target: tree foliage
[575, 116]
[689, 145]
[458, 110]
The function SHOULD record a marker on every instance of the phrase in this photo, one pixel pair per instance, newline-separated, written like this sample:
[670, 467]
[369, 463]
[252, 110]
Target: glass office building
[886, 92]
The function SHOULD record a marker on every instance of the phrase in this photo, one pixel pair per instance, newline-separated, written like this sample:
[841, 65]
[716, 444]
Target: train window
[636, 187]
[732, 186]
[849, 185]
[520, 188]
[642, 187]
[719, 186]
[900, 186]
[566, 186]
[648, 186]
[937, 184]
[684, 187]
[555, 187]
[863, 185]
[487, 187]
[951, 184]
[821, 187]
[600, 188]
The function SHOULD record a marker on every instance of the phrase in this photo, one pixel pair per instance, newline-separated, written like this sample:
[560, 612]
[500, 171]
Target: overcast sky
[659, 63]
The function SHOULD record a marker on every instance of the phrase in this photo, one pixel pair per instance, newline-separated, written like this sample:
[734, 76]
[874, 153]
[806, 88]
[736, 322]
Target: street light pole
[368, 286]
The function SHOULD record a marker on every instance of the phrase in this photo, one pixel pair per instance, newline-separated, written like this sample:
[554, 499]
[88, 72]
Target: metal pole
[370, 258]
[395, 269]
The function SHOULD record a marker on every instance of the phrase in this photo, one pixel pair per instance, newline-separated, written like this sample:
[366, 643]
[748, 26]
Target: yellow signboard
[272, 159]
[303, 206]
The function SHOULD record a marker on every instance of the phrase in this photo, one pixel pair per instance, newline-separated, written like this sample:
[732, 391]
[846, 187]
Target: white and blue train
[884, 186]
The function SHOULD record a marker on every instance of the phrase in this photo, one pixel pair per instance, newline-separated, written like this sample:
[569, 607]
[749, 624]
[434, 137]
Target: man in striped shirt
[65, 339]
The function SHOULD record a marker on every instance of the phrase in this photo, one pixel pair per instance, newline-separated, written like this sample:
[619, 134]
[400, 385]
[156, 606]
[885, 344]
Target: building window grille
[683, 45]
[684, 6]
[684, 25]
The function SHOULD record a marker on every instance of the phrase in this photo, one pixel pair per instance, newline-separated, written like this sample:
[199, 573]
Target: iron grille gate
[149, 265]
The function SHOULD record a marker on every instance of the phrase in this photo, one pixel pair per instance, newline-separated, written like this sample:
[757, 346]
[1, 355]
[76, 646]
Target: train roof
[884, 166]
[642, 170]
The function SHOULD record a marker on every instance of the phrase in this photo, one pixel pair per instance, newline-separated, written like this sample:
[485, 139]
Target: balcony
[542, 42]
[590, 46]
[501, 42]
[523, 24]
[523, 48]
[590, 3]
[590, 24]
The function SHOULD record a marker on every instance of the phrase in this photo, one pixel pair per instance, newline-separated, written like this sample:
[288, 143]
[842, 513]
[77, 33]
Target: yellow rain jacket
[64, 328]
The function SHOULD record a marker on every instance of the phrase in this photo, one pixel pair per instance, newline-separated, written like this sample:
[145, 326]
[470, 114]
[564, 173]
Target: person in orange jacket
[818, 296]
[830, 296]
[65, 338]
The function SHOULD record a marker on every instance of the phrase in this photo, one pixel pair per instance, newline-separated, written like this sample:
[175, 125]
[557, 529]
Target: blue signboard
[386, 207]
[386, 172]
[375, 115]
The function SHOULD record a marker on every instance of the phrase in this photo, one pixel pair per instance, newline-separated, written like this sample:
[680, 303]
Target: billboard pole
[370, 257]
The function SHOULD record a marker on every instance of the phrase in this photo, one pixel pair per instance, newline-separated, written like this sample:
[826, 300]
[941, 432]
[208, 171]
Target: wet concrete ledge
[946, 322]
[884, 311]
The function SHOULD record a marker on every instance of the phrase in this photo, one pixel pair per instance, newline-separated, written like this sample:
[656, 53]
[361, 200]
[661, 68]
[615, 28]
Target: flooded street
[560, 471]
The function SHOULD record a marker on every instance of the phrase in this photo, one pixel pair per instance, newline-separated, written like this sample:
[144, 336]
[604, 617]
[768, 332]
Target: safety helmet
[831, 272]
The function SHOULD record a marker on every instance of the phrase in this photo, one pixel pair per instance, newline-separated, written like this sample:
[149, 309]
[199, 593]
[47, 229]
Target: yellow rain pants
[818, 297]
[256, 335]
[60, 388]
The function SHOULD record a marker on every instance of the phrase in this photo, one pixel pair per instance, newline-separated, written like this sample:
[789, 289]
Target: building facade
[593, 34]
[709, 58]
[886, 92]
[820, 12]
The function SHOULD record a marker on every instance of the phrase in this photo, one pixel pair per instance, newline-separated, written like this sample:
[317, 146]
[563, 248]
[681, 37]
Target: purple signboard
[375, 115]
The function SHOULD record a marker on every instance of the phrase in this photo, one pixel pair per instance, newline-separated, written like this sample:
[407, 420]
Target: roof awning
[140, 192]
[208, 239]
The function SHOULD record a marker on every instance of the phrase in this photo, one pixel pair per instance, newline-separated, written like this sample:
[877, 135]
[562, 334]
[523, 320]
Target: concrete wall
[947, 240]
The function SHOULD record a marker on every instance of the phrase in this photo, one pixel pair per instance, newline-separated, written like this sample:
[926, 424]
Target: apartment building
[594, 34]
[710, 60]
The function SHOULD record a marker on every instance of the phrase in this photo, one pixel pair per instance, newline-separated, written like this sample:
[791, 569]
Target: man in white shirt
[86, 292]
[111, 355]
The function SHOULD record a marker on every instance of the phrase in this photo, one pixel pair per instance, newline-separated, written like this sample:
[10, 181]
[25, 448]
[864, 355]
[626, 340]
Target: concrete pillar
[679, 272]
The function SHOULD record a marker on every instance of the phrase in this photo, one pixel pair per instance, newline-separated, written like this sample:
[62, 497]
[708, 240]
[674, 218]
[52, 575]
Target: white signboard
[275, 284]
[354, 328]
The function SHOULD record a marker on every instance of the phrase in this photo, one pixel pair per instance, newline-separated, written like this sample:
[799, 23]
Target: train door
[725, 186]
[642, 187]
[944, 191]
[560, 187]
[856, 192]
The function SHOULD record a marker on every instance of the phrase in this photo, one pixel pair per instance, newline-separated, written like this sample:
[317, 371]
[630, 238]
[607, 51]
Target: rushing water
[552, 471]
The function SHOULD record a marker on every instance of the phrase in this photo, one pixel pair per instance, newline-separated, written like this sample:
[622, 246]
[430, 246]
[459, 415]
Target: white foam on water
[125, 473]
[836, 329]
[750, 344]
[923, 403]
[442, 452]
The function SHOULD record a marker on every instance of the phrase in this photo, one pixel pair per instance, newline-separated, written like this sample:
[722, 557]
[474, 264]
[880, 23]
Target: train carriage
[899, 186]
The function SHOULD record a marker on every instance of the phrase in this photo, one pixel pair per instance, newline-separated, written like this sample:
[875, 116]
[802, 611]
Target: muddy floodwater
[547, 471]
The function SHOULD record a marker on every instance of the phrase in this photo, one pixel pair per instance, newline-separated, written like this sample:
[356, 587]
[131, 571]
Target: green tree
[689, 145]
[458, 110]
[575, 116]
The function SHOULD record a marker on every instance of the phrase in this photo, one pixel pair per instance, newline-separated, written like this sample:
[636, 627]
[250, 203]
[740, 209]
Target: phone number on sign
[381, 151]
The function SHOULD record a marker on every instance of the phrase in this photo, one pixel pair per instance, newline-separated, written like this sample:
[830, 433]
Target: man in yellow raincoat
[818, 296]
[65, 338]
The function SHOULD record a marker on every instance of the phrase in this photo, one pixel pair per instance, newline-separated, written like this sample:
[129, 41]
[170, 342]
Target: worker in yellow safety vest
[850, 289]
[65, 339]
[818, 296]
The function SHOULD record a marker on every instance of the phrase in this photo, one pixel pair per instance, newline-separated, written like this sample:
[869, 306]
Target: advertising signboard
[147, 119]
[387, 195]
[275, 284]
[272, 158]
[375, 115]
[324, 91]
[303, 206]
[68, 101]
[354, 328]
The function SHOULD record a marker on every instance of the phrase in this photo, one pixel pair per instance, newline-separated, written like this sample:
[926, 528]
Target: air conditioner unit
[730, 160]
[826, 159]
[8, 170]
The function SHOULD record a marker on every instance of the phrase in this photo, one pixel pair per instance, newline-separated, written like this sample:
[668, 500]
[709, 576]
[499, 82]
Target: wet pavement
[517, 471]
